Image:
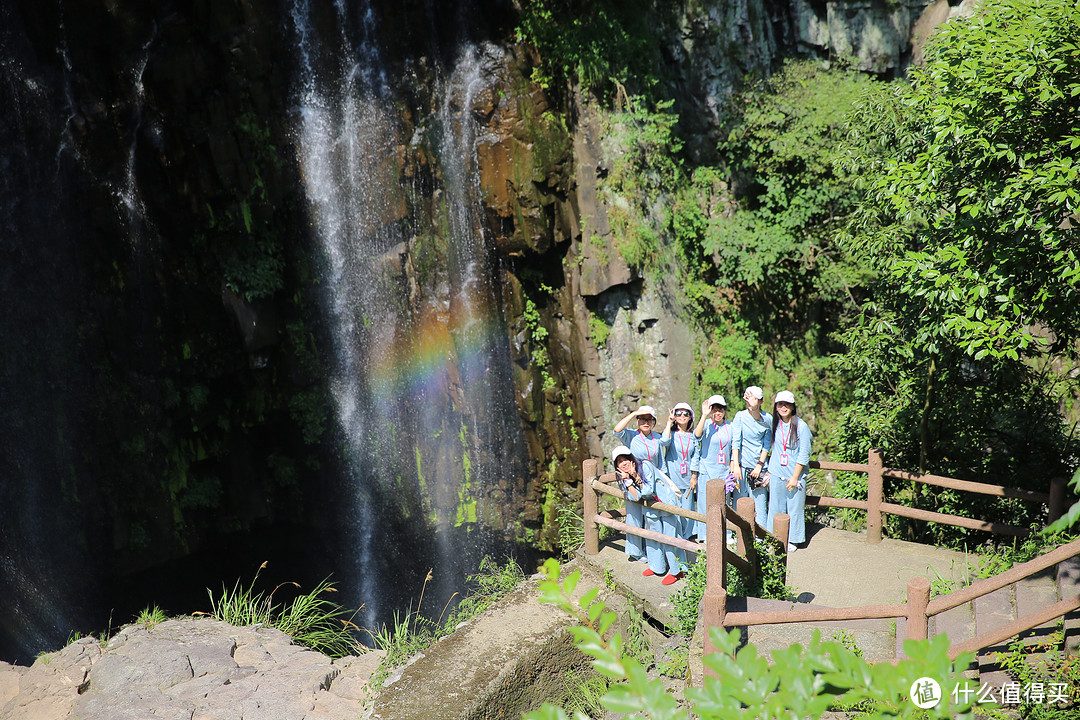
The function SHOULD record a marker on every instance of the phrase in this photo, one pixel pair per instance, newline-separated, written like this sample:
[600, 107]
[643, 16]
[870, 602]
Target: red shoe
[647, 572]
[671, 579]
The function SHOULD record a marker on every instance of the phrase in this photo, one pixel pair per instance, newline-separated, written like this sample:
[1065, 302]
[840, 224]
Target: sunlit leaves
[985, 201]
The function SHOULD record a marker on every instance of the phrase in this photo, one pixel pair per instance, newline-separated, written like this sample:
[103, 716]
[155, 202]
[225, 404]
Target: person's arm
[665, 437]
[695, 463]
[621, 425]
[796, 473]
[700, 427]
[766, 446]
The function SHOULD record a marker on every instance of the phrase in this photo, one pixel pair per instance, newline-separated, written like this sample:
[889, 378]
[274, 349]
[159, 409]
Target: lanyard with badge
[648, 451]
[720, 455]
[784, 436]
[685, 451]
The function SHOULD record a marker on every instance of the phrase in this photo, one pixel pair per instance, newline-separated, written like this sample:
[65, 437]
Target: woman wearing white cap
[645, 446]
[753, 438]
[682, 460]
[716, 435]
[787, 467]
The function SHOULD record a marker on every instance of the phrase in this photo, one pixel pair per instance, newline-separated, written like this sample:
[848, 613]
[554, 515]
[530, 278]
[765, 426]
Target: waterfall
[419, 376]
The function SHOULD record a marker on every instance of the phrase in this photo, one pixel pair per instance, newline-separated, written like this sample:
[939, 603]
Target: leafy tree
[597, 45]
[793, 197]
[973, 215]
[969, 219]
[765, 274]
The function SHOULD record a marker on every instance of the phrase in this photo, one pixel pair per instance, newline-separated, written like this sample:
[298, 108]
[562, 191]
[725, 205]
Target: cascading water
[420, 376]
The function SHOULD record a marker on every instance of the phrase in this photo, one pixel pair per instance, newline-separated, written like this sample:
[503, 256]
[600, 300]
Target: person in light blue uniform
[638, 479]
[753, 438]
[645, 446]
[682, 463]
[788, 461]
[716, 435]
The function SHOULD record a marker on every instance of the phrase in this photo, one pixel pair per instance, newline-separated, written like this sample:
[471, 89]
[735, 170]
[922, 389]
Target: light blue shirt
[752, 436]
[789, 451]
[716, 444]
[645, 449]
[682, 457]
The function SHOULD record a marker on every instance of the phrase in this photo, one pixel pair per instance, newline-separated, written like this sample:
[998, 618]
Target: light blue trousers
[792, 502]
[664, 559]
[635, 546]
[760, 495]
[707, 472]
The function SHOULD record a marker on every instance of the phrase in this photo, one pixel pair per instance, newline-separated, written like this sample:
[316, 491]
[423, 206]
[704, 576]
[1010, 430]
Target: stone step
[1001, 607]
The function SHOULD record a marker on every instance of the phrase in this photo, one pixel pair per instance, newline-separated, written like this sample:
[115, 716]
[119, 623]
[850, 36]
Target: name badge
[719, 458]
[682, 469]
[783, 459]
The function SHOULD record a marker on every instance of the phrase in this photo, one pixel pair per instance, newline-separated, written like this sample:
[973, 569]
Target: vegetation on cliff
[903, 255]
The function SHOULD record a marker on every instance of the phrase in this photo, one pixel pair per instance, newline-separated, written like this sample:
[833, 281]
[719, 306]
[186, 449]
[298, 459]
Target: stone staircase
[1001, 607]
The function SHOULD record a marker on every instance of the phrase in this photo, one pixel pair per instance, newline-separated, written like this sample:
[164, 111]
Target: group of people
[757, 454]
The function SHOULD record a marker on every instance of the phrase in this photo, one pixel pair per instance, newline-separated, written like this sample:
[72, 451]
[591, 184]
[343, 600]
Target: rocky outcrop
[191, 668]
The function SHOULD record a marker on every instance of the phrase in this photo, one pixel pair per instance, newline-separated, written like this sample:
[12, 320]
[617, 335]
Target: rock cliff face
[171, 388]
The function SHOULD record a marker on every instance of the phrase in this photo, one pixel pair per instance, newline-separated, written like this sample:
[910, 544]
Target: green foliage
[598, 330]
[687, 600]
[571, 529]
[645, 167]
[969, 214]
[1044, 662]
[799, 683]
[971, 183]
[793, 195]
[310, 619]
[151, 616]
[595, 45]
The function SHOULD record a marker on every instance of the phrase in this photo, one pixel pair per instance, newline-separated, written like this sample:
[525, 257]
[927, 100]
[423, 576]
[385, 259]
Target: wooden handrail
[673, 509]
[957, 520]
[1016, 627]
[968, 485]
[839, 466]
[990, 584]
[826, 501]
[777, 617]
[647, 534]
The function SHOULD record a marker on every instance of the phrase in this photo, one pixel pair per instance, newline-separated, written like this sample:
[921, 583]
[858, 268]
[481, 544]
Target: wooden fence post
[874, 493]
[746, 544]
[1057, 498]
[590, 502]
[714, 608]
[918, 595]
[780, 526]
[715, 533]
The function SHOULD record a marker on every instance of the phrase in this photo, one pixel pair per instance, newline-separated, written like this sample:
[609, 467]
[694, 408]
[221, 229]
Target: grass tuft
[311, 619]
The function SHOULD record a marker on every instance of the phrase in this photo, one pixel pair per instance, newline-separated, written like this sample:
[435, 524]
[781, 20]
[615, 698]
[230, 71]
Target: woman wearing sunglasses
[681, 461]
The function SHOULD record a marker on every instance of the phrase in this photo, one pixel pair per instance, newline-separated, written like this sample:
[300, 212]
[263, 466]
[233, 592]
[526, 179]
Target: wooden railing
[874, 504]
[917, 610]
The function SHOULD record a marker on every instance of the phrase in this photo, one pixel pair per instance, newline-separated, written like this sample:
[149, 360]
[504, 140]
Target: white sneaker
[791, 547]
